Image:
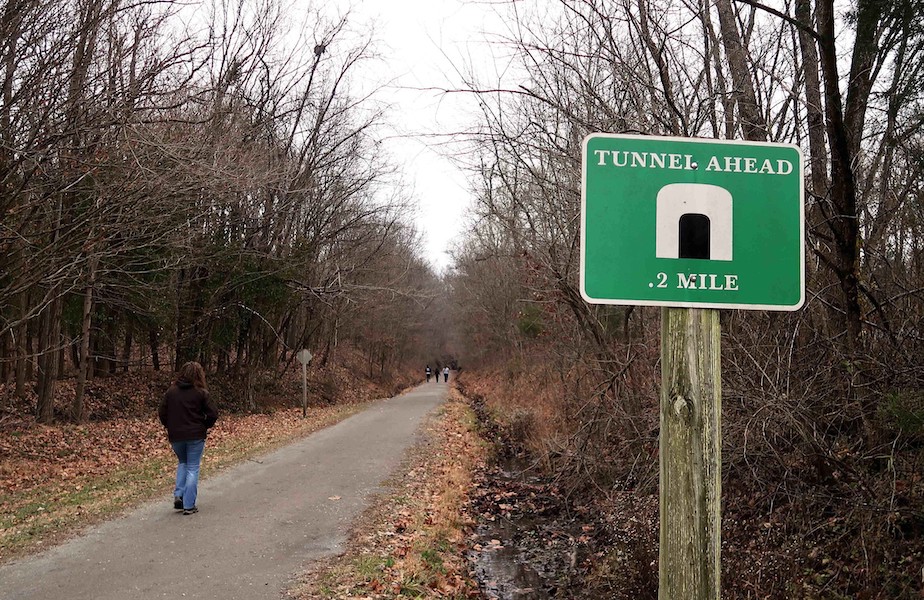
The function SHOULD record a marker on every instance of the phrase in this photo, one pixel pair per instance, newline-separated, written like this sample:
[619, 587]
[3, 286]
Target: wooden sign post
[690, 454]
[304, 357]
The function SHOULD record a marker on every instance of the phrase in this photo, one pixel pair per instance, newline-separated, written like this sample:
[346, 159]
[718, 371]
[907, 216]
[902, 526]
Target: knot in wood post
[682, 406]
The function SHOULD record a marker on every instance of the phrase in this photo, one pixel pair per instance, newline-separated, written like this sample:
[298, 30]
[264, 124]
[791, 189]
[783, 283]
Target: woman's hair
[193, 373]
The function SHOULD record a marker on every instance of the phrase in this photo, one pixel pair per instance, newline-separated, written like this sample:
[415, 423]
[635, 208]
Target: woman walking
[187, 412]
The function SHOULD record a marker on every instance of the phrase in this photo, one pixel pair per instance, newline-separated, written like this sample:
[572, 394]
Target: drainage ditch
[527, 544]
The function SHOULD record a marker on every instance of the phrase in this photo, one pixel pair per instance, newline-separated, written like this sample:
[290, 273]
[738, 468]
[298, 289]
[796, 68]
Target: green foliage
[72, 312]
[431, 557]
[902, 412]
[529, 321]
[370, 567]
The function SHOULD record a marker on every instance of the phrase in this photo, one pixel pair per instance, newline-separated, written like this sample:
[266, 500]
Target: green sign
[692, 223]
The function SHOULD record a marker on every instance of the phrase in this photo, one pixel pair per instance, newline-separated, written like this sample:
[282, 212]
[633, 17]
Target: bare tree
[213, 188]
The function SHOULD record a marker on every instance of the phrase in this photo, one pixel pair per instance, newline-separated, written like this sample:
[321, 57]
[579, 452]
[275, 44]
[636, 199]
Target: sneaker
[190, 511]
[178, 502]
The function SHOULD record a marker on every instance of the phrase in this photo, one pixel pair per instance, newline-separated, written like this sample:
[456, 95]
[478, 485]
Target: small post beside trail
[304, 357]
[690, 454]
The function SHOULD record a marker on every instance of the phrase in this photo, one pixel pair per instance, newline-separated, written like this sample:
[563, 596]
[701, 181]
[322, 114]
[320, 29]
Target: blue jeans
[189, 454]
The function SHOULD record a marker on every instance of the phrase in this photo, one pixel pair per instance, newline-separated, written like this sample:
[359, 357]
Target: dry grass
[411, 543]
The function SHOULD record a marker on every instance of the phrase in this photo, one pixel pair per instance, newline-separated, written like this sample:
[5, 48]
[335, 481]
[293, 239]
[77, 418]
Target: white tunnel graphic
[694, 220]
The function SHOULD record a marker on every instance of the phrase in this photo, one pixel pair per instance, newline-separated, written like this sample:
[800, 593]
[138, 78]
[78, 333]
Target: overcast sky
[423, 43]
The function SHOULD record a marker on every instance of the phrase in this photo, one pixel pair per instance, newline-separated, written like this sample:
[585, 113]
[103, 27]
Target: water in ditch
[526, 545]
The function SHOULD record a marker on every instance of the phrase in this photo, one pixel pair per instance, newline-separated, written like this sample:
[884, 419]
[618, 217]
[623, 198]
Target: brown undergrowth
[805, 516]
[411, 543]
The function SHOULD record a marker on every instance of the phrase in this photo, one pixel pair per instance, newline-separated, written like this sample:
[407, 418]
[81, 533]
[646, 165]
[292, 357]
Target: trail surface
[259, 523]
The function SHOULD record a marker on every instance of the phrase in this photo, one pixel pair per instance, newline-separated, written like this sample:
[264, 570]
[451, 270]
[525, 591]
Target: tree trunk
[153, 344]
[112, 351]
[843, 217]
[190, 303]
[7, 352]
[62, 356]
[127, 351]
[655, 49]
[78, 408]
[49, 342]
[753, 125]
[26, 367]
[818, 154]
[714, 57]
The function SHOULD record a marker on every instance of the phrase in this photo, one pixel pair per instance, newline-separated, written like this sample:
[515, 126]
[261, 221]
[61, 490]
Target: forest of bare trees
[205, 181]
[823, 413]
[193, 182]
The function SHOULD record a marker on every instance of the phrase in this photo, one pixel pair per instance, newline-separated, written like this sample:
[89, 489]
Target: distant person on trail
[429, 372]
[187, 412]
[445, 374]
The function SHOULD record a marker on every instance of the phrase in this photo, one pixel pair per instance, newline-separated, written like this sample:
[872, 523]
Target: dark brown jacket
[187, 412]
